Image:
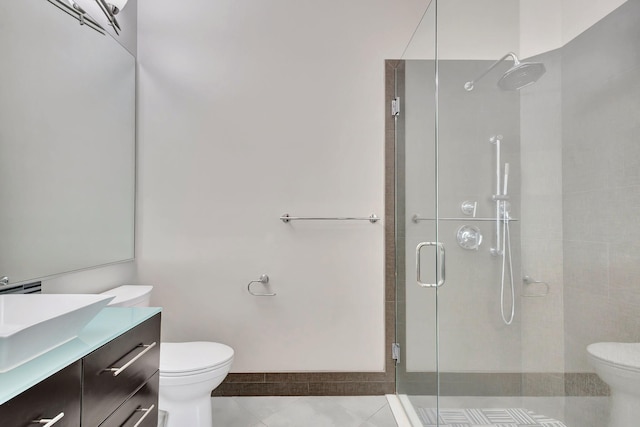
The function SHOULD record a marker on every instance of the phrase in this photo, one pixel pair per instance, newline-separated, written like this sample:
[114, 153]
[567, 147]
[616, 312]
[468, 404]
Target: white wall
[127, 19]
[549, 24]
[250, 109]
[92, 280]
[467, 29]
[540, 26]
[487, 29]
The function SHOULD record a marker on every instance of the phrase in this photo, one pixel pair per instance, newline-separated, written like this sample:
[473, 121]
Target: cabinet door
[105, 390]
[56, 397]
[140, 410]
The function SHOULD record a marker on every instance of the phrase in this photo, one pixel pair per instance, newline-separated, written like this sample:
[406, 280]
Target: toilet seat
[193, 358]
[618, 354]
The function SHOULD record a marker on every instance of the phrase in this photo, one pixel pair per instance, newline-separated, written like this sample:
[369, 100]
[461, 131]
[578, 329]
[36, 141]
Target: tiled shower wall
[601, 185]
[542, 260]
[581, 197]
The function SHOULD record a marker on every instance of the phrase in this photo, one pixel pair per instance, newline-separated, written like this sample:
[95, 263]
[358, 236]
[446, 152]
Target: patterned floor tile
[492, 417]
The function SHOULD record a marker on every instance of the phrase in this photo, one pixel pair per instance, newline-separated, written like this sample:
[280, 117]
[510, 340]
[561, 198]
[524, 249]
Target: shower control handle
[440, 264]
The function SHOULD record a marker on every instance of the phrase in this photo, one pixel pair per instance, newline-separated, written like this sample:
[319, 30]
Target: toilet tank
[130, 296]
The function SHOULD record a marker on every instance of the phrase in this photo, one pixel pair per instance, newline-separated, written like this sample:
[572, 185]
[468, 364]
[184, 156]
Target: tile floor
[374, 411]
[307, 411]
[572, 411]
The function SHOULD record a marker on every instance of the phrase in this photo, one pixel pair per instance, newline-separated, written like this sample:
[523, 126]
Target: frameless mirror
[67, 144]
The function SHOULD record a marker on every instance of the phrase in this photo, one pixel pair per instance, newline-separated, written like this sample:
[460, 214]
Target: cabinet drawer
[116, 370]
[141, 410]
[58, 394]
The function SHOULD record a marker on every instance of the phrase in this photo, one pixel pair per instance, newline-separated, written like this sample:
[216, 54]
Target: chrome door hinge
[395, 106]
[395, 352]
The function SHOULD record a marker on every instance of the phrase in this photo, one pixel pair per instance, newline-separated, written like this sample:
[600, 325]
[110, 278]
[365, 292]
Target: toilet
[618, 365]
[189, 371]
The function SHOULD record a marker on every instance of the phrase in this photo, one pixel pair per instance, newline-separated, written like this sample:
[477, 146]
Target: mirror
[67, 144]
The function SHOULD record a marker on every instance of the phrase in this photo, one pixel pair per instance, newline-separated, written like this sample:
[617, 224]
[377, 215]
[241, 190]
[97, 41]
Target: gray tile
[624, 167]
[363, 406]
[584, 154]
[550, 406]
[228, 413]
[382, 418]
[624, 266]
[586, 266]
[314, 412]
[583, 384]
[605, 50]
[586, 216]
[537, 384]
[586, 411]
[264, 406]
[623, 213]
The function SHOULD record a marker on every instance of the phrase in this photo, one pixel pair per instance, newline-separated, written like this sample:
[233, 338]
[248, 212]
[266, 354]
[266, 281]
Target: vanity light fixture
[78, 13]
[111, 9]
[117, 5]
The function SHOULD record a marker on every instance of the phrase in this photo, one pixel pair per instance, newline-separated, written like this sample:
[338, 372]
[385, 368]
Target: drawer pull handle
[48, 422]
[146, 413]
[118, 371]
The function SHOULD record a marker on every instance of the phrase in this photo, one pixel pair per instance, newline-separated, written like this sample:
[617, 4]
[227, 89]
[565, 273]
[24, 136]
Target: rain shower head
[521, 74]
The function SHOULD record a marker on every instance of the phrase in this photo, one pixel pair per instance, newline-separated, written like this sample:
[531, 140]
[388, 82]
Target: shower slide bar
[286, 218]
[416, 218]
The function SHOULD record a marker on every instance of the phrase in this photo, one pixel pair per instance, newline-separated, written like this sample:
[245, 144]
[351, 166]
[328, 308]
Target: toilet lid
[193, 357]
[619, 353]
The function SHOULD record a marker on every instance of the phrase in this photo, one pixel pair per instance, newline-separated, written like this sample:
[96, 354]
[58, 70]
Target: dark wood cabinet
[56, 397]
[141, 409]
[114, 386]
[115, 371]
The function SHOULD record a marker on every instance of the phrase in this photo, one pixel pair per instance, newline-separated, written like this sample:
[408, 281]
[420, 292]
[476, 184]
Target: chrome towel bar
[286, 218]
[417, 218]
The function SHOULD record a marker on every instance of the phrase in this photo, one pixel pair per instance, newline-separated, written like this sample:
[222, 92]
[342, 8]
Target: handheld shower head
[521, 74]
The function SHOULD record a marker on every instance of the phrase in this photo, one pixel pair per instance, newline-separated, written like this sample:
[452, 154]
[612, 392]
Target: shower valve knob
[469, 208]
[469, 237]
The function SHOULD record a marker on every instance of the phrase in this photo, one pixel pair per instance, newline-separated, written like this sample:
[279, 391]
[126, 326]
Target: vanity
[107, 376]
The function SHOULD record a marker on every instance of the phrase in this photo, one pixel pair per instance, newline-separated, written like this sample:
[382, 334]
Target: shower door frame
[420, 382]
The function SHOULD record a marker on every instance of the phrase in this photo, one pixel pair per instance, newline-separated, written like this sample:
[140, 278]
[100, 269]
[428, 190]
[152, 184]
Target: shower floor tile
[507, 417]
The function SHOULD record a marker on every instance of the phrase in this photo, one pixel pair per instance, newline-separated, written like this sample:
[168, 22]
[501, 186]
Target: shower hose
[506, 251]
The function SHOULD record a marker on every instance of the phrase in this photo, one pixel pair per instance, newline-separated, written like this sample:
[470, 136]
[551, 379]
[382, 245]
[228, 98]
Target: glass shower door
[515, 153]
[458, 180]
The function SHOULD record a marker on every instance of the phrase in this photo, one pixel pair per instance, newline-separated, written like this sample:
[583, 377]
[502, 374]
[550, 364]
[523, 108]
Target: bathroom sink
[31, 325]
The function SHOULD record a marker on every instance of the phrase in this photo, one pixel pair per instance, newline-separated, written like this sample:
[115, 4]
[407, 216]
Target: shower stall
[515, 129]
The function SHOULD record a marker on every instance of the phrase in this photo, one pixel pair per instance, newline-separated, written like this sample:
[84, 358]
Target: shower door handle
[440, 263]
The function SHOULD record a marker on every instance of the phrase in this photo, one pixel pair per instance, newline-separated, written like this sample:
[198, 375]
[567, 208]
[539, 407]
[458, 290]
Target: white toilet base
[194, 413]
[625, 409]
